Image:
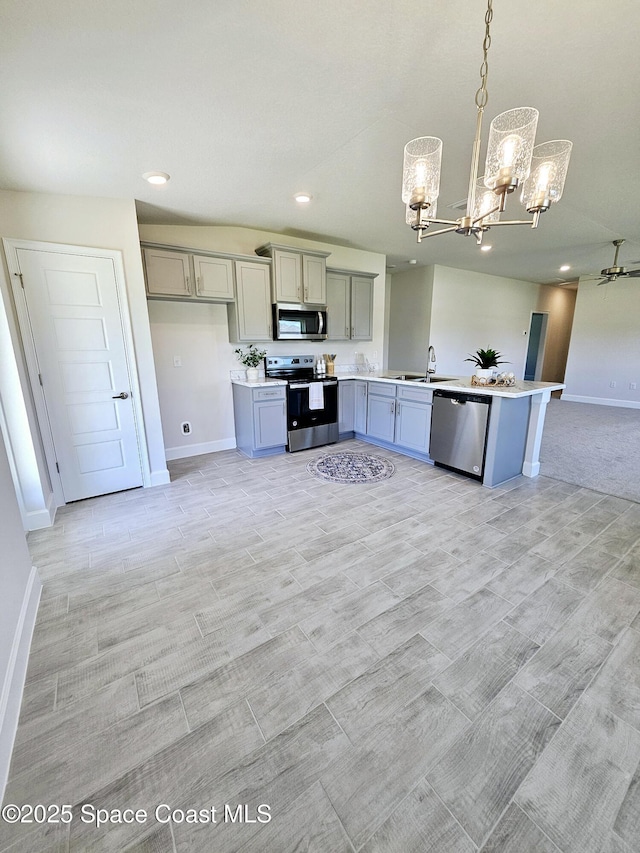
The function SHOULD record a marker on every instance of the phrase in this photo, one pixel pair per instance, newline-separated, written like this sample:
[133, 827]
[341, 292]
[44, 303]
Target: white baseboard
[186, 450]
[41, 518]
[602, 401]
[13, 679]
[160, 478]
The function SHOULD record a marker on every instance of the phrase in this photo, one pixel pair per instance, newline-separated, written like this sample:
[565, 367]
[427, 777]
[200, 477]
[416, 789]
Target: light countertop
[522, 388]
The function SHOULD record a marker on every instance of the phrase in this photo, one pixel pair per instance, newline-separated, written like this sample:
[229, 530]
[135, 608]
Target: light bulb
[510, 150]
[545, 174]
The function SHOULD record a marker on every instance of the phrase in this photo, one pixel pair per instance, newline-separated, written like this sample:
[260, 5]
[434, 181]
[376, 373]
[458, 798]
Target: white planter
[484, 373]
[252, 374]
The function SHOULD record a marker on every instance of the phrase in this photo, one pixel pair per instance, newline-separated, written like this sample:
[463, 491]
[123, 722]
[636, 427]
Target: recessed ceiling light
[486, 248]
[302, 198]
[157, 178]
[413, 261]
[565, 268]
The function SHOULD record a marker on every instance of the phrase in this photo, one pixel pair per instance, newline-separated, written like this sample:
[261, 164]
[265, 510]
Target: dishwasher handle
[460, 398]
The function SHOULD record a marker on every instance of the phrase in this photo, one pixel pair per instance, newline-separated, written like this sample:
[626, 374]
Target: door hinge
[40, 379]
[57, 468]
[19, 274]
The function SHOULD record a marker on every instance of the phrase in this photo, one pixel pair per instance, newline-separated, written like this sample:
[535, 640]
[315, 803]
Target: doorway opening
[535, 349]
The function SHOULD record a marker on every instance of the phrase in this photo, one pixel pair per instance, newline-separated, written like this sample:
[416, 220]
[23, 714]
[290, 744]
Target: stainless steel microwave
[295, 322]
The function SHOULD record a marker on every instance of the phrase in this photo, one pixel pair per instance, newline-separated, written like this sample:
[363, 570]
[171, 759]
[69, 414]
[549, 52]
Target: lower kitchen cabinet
[381, 411]
[346, 407]
[413, 425]
[261, 419]
[360, 406]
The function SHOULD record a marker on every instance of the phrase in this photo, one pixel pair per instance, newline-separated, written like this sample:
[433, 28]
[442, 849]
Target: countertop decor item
[512, 162]
[251, 359]
[348, 467]
[330, 360]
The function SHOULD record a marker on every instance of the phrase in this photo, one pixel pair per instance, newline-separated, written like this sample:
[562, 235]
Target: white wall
[605, 344]
[472, 311]
[410, 318]
[93, 222]
[19, 594]
[200, 391]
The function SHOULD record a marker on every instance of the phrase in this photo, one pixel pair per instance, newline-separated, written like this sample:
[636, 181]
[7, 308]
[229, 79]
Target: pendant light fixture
[513, 161]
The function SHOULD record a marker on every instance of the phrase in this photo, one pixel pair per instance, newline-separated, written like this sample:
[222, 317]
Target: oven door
[312, 415]
[299, 322]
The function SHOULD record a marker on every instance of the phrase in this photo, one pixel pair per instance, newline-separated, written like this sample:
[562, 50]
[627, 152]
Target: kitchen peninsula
[395, 413]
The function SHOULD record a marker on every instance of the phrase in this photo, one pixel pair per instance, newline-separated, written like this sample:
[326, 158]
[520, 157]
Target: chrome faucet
[431, 362]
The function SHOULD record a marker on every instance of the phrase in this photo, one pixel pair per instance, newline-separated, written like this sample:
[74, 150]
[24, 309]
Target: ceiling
[245, 102]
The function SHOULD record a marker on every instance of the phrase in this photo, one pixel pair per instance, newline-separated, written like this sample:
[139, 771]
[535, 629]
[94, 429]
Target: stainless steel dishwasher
[459, 431]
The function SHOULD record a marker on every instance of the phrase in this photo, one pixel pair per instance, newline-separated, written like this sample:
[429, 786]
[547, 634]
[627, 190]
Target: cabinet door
[338, 302]
[214, 278]
[287, 276]
[361, 308]
[381, 417]
[346, 405]
[413, 423]
[253, 303]
[314, 279]
[269, 424]
[167, 273]
[360, 406]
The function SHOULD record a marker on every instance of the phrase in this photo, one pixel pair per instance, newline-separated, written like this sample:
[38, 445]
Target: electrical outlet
[612, 384]
[177, 361]
[632, 386]
[185, 426]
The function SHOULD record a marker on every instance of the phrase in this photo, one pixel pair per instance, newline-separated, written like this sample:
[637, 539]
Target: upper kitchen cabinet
[167, 273]
[349, 305]
[214, 277]
[298, 276]
[178, 274]
[250, 315]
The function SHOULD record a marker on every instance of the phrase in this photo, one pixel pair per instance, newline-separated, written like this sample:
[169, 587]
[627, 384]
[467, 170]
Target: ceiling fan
[614, 272]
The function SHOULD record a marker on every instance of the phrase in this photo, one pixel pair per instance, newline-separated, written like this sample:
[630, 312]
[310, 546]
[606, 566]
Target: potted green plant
[486, 360]
[251, 359]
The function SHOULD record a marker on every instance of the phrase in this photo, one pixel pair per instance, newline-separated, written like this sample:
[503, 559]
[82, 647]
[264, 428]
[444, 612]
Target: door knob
[121, 396]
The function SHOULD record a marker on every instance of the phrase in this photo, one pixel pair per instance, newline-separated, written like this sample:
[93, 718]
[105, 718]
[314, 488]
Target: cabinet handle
[186, 281]
[306, 295]
[393, 408]
[198, 280]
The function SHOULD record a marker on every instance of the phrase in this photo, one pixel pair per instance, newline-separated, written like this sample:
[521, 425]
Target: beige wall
[411, 293]
[559, 303]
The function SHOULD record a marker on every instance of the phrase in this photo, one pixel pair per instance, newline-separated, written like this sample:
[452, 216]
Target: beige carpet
[597, 447]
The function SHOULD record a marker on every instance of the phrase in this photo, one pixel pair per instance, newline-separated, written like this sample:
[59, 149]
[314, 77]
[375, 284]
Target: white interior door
[76, 324]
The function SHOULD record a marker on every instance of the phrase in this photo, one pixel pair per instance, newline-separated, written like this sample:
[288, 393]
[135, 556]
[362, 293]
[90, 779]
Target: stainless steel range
[312, 401]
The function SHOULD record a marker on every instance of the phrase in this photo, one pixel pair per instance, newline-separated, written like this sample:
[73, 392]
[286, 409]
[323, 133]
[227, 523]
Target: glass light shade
[421, 170]
[511, 139]
[549, 166]
[426, 214]
[486, 200]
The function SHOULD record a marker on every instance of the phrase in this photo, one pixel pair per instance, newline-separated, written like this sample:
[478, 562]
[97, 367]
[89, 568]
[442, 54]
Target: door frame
[11, 247]
[542, 344]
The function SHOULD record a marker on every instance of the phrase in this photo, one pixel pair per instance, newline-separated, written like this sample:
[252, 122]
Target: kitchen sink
[431, 379]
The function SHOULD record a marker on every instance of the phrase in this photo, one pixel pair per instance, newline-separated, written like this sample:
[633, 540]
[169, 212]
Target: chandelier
[513, 160]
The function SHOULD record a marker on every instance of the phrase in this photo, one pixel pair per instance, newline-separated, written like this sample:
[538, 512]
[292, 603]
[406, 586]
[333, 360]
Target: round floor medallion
[351, 468]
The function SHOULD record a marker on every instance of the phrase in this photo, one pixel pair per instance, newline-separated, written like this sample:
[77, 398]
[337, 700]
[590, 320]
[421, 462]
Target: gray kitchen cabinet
[298, 275]
[260, 416]
[413, 424]
[167, 273]
[181, 275]
[249, 316]
[381, 411]
[214, 278]
[349, 305]
[346, 407]
[360, 406]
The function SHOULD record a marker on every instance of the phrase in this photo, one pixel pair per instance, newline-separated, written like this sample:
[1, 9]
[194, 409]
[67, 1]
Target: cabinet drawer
[420, 394]
[382, 389]
[277, 393]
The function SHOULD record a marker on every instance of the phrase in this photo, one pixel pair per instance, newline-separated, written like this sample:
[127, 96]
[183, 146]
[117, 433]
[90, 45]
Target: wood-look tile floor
[420, 664]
